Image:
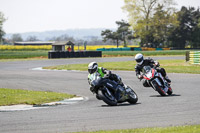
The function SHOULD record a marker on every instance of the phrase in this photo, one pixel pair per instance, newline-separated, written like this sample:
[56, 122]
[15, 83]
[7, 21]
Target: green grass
[8, 54]
[171, 66]
[177, 129]
[146, 53]
[24, 54]
[17, 96]
[180, 66]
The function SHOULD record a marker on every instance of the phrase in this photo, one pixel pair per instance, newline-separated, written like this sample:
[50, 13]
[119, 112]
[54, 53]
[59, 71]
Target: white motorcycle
[156, 81]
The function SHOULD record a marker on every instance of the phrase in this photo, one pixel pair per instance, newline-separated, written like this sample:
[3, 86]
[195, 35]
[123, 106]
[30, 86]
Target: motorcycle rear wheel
[110, 100]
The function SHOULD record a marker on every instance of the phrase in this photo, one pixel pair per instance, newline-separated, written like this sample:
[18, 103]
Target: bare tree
[32, 38]
[16, 38]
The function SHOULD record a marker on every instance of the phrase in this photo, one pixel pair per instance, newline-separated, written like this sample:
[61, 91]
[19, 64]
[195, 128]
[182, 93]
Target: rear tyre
[109, 99]
[159, 89]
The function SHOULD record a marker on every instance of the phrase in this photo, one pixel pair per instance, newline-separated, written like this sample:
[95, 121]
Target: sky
[45, 15]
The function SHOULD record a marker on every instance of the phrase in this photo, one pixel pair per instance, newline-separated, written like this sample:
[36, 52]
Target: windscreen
[146, 69]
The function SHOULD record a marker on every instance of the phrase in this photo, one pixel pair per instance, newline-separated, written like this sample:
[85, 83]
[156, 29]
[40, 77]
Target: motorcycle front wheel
[109, 99]
[170, 91]
[133, 98]
[159, 89]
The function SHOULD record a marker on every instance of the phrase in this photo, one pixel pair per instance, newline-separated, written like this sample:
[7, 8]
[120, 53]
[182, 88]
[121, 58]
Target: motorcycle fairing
[152, 75]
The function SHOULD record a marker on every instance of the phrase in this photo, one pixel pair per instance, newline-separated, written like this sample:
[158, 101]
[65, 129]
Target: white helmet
[139, 58]
[92, 67]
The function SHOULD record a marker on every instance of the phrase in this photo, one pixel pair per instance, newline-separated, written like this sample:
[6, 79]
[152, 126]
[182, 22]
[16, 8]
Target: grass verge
[145, 53]
[8, 54]
[177, 129]
[16, 96]
[24, 54]
[171, 66]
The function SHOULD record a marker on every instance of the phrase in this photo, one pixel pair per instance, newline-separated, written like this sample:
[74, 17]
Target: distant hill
[85, 34]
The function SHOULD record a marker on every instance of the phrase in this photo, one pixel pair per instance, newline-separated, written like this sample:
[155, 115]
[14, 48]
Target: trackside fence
[131, 49]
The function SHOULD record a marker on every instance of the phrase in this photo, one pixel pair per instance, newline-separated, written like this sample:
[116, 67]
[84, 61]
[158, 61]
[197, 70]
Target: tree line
[156, 23]
[94, 40]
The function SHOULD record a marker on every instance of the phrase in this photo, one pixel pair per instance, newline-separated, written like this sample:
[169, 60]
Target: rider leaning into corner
[141, 62]
[104, 73]
[93, 67]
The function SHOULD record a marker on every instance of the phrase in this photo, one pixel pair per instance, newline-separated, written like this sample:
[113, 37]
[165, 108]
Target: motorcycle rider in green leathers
[93, 67]
[104, 73]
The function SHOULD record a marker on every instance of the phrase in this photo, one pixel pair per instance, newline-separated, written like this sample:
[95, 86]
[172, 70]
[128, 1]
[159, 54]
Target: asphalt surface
[182, 108]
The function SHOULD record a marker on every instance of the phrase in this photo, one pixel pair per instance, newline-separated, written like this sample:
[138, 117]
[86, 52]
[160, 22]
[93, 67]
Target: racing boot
[167, 79]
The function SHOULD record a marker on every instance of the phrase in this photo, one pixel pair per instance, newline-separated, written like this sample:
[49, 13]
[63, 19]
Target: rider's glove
[157, 64]
[139, 76]
[108, 74]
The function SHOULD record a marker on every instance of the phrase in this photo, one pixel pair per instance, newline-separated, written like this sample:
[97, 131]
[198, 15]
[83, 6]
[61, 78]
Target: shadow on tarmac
[121, 104]
[166, 96]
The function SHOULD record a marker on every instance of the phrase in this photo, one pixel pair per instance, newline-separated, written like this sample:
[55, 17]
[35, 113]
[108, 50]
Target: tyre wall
[78, 54]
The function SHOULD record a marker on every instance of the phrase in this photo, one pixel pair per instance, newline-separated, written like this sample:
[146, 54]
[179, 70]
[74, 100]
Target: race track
[182, 108]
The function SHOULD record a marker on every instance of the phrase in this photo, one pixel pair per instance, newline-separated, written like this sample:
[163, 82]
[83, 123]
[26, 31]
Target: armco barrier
[114, 49]
[166, 48]
[78, 54]
[159, 48]
[194, 57]
[137, 49]
[100, 49]
[117, 49]
[148, 49]
[126, 49]
[132, 49]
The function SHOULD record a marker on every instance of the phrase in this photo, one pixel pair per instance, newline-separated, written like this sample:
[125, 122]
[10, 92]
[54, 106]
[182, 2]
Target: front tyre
[170, 91]
[159, 89]
[109, 99]
[133, 98]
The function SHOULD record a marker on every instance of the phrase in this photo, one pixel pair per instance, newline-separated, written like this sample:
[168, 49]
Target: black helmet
[139, 58]
[92, 67]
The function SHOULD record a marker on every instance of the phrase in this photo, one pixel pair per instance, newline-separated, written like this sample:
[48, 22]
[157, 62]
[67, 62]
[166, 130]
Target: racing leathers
[106, 73]
[150, 62]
